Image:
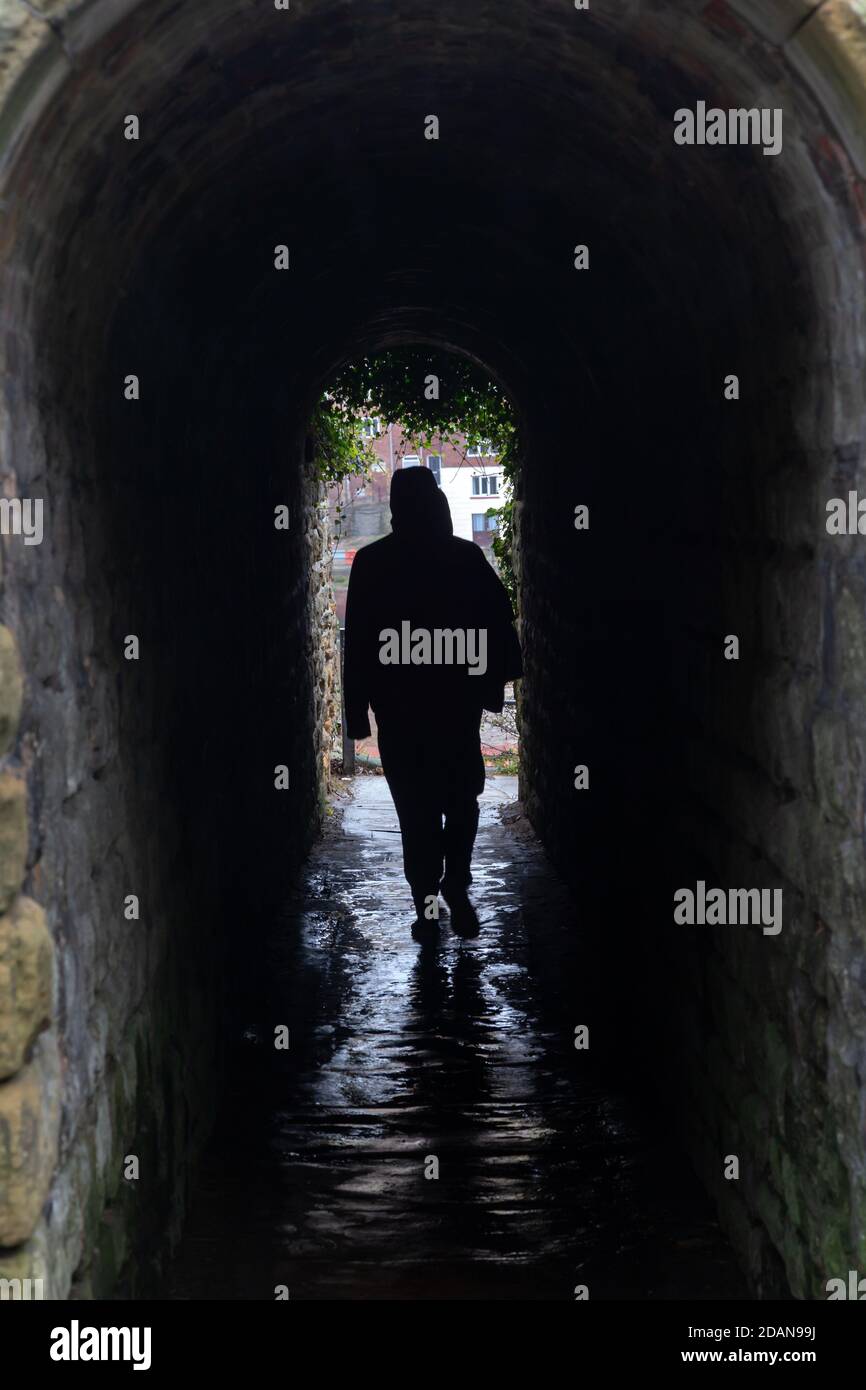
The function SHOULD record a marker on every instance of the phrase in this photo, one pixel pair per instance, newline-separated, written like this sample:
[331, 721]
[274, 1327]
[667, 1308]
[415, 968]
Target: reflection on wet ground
[320, 1177]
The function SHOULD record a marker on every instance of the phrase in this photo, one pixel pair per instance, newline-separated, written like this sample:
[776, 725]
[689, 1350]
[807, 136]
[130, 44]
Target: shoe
[464, 918]
[425, 933]
[425, 930]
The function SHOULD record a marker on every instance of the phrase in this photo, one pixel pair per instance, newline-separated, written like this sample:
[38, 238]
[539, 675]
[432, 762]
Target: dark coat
[425, 575]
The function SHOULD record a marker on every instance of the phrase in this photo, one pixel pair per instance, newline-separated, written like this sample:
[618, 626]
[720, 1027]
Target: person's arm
[356, 668]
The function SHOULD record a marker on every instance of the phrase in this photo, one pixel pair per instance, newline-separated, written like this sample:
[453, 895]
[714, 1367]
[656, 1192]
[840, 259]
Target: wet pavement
[457, 1058]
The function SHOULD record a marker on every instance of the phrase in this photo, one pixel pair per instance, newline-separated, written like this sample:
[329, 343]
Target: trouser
[435, 780]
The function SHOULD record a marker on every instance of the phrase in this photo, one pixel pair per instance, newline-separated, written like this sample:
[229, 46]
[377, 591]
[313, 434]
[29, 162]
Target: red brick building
[470, 478]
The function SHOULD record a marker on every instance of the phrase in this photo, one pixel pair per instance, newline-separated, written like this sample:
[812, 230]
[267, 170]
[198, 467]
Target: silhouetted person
[430, 643]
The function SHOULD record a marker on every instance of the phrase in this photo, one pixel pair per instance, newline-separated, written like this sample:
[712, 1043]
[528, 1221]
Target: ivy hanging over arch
[433, 396]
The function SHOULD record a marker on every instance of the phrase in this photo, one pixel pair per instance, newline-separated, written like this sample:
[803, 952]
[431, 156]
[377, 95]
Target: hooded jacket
[424, 576]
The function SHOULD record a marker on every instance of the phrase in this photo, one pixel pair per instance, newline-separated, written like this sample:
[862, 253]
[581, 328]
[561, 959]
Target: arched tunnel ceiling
[305, 127]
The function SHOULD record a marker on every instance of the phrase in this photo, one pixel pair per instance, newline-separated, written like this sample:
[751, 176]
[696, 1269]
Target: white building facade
[473, 488]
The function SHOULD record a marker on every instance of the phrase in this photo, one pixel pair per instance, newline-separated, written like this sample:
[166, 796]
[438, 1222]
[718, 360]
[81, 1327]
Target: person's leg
[461, 827]
[421, 832]
[465, 783]
[407, 772]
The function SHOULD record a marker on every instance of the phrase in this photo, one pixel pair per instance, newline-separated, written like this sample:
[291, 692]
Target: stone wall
[744, 773]
[29, 1070]
[129, 792]
[131, 1045]
[324, 635]
[139, 777]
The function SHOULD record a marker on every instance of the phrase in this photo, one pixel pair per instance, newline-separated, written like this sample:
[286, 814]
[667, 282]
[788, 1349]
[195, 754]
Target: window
[411, 461]
[481, 523]
[371, 428]
[485, 485]
[484, 450]
[434, 463]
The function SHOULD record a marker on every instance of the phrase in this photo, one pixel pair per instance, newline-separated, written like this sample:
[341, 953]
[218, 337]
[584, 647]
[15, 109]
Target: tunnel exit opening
[417, 405]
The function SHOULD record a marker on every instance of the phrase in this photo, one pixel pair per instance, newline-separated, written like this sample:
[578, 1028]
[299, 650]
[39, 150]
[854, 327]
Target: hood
[419, 509]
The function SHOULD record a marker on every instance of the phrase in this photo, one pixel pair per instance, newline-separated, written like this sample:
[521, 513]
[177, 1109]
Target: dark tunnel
[261, 128]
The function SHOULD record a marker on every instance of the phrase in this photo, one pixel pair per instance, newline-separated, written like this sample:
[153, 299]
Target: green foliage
[341, 449]
[503, 539]
[505, 764]
[463, 407]
[397, 386]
